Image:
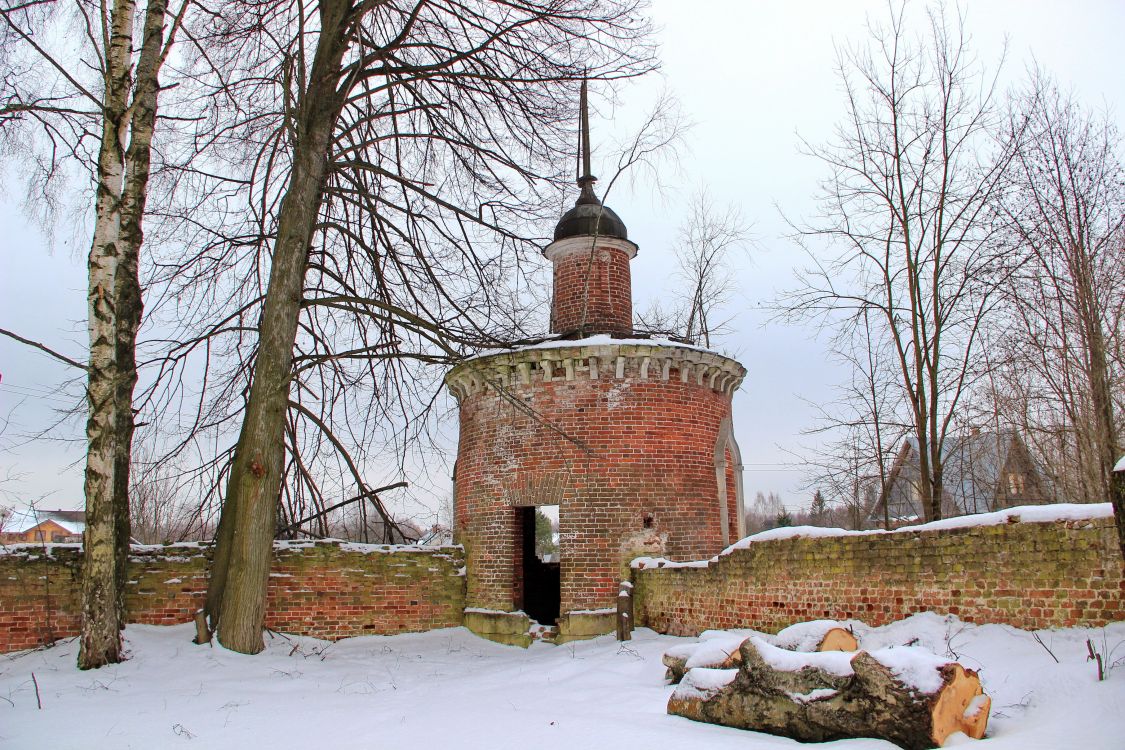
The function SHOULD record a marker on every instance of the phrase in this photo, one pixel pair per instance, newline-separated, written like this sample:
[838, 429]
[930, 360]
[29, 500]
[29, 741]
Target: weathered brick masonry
[592, 286]
[622, 436]
[1030, 575]
[630, 436]
[323, 589]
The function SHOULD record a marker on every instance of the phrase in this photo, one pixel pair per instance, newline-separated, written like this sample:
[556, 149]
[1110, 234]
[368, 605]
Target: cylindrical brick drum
[631, 440]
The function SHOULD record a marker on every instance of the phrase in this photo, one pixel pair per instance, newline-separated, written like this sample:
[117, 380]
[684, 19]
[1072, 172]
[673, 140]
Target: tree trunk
[127, 294]
[835, 698]
[1118, 498]
[931, 507]
[100, 638]
[245, 549]
[1097, 368]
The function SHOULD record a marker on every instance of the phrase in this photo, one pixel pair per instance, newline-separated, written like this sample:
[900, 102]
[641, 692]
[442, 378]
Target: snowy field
[452, 690]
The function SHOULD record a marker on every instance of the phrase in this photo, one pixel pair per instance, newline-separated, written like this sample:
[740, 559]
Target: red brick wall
[611, 451]
[592, 290]
[324, 589]
[1030, 575]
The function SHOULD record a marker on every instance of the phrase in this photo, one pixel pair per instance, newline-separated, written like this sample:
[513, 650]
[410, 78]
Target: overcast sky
[754, 78]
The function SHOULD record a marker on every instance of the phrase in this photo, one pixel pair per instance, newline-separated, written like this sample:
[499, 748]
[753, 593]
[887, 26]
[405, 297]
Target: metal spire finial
[585, 179]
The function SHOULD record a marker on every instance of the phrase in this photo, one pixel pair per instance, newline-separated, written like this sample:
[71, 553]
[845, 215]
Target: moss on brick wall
[324, 589]
[334, 591]
[1031, 575]
[39, 590]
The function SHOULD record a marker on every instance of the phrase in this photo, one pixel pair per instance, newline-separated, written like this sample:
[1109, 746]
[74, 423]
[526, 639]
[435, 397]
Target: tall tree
[904, 214]
[403, 148]
[123, 116]
[706, 240]
[1064, 342]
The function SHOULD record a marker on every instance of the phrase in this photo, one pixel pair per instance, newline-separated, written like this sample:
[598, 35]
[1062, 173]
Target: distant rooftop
[73, 521]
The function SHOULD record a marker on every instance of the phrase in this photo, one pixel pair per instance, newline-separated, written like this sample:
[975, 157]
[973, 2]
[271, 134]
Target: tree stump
[905, 695]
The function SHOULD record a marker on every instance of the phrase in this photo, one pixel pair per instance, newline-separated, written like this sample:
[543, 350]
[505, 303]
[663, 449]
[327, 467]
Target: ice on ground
[448, 686]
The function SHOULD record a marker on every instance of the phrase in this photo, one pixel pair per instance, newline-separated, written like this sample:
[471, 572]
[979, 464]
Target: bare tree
[158, 513]
[5, 516]
[862, 429]
[392, 153]
[120, 108]
[764, 511]
[706, 240]
[1063, 345]
[904, 212]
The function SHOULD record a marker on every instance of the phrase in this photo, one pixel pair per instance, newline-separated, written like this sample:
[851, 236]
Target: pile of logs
[814, 686]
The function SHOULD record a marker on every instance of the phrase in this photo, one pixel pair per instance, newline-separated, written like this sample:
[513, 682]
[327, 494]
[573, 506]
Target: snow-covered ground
[449, 689]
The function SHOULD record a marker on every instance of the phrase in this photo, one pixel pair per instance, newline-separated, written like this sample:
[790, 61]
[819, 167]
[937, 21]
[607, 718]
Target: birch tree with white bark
[127, 45]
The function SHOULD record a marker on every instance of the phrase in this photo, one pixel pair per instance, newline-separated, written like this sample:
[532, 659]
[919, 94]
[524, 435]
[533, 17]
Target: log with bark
[905, 695]
[719, 649]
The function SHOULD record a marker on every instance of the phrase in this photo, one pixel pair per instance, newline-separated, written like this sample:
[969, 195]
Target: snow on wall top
[1120, 465]
[38, 548]
[1020, 514]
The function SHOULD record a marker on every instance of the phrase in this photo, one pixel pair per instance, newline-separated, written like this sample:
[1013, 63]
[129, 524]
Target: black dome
[588, 219]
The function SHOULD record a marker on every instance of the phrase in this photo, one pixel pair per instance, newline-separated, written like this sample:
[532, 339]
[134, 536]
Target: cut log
[717, 652]
[838, 639]
[721, 650]
[905, 695]
[819, 635]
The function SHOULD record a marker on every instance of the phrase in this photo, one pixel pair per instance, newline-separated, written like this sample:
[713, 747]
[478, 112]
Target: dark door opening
[541, 575]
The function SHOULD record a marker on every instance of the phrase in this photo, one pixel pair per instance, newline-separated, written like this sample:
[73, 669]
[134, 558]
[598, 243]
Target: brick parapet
[633, 361]
[324, 589]
[1029, 575]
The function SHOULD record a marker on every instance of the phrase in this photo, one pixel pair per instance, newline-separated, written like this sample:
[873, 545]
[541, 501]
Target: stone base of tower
[580, 626]
[509, 628]
[514, 628]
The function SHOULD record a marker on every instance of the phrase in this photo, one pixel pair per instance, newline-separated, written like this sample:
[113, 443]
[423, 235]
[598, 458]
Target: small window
[1015, 484]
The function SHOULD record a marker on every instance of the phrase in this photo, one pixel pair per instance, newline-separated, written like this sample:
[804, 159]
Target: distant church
[629, 436]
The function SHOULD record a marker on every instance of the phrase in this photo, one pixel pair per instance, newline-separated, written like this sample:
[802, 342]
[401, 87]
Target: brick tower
[629, 436]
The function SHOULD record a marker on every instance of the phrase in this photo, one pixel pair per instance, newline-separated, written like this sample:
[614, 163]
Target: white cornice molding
[584, 244]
